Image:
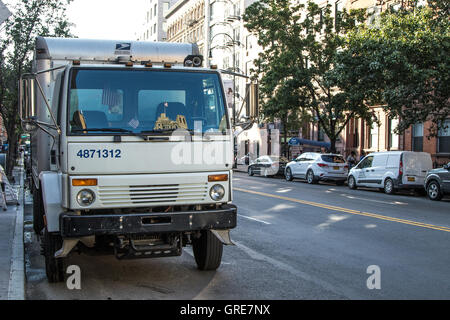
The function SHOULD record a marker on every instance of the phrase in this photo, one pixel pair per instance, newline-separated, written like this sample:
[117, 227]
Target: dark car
[268, 166]
[437, 182]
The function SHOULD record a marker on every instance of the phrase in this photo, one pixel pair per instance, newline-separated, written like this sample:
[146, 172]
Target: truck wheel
[54, 267]
[352, 182]
[207, 251]
[389, 186]
[434, 191]
[38, 211]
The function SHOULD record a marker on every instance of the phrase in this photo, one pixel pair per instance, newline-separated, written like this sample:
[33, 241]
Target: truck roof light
[218, 177]
[84, 182]
[129, 64]
[76, 62]
[167, 65]
[193, 61]
[214, 66]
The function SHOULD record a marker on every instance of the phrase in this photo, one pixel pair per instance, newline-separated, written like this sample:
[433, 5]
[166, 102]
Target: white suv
[392, 170]
[314, 167]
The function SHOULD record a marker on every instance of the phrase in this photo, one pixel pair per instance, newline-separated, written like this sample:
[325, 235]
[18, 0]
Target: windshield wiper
[112, 130]
[157, 132]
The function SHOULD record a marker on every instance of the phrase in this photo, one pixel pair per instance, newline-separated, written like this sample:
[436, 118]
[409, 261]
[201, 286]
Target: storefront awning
[298, 142]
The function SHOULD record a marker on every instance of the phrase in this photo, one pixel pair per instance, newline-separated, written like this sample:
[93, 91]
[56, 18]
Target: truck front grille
[152, 194]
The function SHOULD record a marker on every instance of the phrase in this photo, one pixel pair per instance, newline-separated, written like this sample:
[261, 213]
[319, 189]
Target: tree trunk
[333, 145]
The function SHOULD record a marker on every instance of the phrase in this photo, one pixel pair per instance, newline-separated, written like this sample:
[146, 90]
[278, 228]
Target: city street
[293, 241]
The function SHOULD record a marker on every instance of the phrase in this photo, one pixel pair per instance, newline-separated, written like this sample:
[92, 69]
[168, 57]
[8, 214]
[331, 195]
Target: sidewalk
[12, 277]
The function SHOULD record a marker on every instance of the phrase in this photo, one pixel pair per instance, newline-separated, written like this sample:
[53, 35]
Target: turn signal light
[218, 177]
[84, 182]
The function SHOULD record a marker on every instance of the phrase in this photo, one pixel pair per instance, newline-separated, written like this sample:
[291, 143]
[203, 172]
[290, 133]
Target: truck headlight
[85, 197]
[217, 192]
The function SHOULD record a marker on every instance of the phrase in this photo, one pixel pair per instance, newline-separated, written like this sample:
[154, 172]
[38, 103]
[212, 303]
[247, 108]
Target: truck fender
[51, 194]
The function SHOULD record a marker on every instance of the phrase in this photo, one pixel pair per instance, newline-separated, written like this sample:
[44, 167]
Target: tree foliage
[31, 18]
[296, 69]
[403, 58]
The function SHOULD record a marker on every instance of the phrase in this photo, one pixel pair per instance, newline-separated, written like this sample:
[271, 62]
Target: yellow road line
[349, 211]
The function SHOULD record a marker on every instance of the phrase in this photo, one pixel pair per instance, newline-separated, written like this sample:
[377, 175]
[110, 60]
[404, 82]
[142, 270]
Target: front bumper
[72, 226]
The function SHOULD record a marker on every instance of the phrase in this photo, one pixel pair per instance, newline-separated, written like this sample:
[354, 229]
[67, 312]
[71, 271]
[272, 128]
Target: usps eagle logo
[123, 46]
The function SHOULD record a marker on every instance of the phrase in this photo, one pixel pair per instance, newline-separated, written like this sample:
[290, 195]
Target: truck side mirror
[27, 85]
[252, 100]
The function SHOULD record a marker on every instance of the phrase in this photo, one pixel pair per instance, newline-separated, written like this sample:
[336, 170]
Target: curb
[16, 290]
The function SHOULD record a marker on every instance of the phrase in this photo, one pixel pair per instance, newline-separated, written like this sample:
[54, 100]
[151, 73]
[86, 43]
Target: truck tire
[54, 267]
[38, 210]
[352, 183]
[389, 186]
[207, 251]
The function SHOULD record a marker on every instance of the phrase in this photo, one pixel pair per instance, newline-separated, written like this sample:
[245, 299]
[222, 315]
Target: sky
[104, 19]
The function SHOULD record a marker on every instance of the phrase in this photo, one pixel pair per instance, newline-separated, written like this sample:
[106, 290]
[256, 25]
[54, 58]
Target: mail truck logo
[123, 48]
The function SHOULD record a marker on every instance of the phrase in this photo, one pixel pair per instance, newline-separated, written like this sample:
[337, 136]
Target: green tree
[403, 58]
[31, 18]
[296, 68]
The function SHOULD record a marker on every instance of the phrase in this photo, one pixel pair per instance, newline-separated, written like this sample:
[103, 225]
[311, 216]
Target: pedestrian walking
[351, 160]
[362, 156]
[3, 180]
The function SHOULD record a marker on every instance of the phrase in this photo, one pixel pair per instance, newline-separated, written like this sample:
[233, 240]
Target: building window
[444, 138]
[154, 10]
[393, 137]
[166, 6]
[417, 137]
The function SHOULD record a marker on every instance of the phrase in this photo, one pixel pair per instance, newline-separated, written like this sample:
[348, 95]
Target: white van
[391, 171]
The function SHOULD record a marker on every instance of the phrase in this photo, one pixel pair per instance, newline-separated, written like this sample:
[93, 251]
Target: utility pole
[207, 32]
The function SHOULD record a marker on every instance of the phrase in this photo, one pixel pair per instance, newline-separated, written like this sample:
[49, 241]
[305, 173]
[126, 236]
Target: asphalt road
[293, 241]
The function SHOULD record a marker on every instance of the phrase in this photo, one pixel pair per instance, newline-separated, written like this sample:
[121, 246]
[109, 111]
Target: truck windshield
[145, 102]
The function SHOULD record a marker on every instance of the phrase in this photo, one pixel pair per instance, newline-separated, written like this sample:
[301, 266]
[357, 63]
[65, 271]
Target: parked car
[437, 182]
[242, 163]
[391, 171]
[314, 167]
[267, 166]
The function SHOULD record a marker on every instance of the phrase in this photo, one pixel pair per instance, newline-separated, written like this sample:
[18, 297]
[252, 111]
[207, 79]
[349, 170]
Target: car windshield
[333, 159]
[145, 101]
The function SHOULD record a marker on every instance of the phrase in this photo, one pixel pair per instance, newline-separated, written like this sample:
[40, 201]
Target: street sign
[4, 12]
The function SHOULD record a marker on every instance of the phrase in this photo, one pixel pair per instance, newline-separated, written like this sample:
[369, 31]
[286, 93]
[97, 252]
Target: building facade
[154, 27]
[185, 22]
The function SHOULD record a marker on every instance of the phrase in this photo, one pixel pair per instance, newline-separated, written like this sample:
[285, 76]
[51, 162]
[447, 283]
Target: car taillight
[346, 167]
[322, 165]
[400, 169]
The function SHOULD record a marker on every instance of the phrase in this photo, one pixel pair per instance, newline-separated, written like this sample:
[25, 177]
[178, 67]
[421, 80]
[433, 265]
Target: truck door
[378, 170]
[364, 169]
